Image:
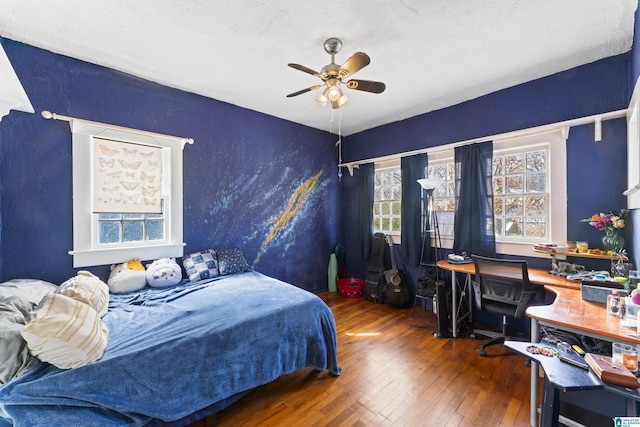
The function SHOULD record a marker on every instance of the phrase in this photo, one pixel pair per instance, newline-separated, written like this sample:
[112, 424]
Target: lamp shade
[429, 183]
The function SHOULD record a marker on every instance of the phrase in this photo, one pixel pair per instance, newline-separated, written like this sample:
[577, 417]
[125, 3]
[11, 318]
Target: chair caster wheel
[482, 352]
[472, 336]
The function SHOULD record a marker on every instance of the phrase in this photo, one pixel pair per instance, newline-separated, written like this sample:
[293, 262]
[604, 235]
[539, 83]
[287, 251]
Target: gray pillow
[15, 358]
[30, 290]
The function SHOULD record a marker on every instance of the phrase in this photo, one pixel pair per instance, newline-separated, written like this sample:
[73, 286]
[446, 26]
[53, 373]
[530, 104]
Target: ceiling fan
[332, 76]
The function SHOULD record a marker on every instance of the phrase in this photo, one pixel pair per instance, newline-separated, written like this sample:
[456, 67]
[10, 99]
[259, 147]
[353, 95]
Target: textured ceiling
[431, 54]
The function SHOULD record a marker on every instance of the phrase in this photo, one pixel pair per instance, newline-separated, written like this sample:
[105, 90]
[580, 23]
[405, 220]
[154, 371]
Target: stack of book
[549, 247]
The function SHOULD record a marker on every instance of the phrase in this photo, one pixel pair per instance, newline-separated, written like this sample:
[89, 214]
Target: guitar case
[374, 277]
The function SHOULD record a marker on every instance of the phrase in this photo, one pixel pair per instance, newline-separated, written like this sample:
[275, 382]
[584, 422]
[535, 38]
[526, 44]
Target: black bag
[374, 277]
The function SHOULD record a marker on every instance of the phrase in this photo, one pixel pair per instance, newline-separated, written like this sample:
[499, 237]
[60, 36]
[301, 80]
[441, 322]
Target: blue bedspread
[174, 351]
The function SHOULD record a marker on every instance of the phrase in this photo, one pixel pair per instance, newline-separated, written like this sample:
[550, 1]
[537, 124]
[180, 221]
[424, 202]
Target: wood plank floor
[395, 373]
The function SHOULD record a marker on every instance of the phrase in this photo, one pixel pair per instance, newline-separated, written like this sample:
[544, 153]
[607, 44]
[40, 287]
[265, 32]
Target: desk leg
[550, 405]
[535, 337]
[454, 304]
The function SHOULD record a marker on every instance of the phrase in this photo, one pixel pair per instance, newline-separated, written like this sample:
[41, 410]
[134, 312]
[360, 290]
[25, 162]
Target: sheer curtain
[474, 227]
[412, 169]
[365, 174]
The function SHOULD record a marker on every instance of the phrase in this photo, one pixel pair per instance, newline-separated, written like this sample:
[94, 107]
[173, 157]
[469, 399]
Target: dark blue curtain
[473, 230]
[412, 169]
[365, 174]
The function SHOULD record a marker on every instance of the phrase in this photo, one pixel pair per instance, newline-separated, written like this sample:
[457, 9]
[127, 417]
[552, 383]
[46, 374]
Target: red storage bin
[351, 287]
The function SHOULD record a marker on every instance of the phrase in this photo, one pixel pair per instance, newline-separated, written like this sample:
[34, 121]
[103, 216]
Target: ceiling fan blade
[304, 69]
[300, 92]
[358, 61]
[366, 85]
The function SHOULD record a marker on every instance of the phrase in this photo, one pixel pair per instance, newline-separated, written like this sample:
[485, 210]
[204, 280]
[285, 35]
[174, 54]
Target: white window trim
[633, 150]
[86, 251]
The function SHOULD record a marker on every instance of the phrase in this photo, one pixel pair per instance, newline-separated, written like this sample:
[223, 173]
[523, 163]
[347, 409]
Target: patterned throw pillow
[231, 261]
[201, 265]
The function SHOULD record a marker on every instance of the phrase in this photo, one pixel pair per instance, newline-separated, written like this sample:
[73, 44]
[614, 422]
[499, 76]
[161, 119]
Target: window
[387, 199]
[111, 225]
[526, 210]
[444, 196]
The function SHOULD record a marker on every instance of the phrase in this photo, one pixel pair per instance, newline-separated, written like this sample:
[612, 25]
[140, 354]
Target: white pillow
[65, 332]
[89, 289]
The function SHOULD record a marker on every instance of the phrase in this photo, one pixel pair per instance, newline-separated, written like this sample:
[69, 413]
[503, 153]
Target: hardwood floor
[395, 373]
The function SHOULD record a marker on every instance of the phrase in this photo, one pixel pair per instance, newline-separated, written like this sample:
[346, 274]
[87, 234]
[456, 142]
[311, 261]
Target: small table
[569, 312]
[561, 377]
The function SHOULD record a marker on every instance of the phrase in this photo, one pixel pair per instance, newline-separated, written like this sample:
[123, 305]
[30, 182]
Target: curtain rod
[49, 115]
[563, 126]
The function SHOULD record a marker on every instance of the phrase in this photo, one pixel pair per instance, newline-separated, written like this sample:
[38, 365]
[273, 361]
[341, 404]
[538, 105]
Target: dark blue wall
[238, 176]
[596, 171]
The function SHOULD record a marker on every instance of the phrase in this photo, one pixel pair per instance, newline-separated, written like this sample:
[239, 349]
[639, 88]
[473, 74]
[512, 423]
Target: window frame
[86, 249]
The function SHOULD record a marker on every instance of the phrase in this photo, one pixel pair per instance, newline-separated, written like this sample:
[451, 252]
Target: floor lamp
[431, 222]
[430, 228]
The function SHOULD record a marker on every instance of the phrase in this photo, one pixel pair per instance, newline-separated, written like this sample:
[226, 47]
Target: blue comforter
[173, 352]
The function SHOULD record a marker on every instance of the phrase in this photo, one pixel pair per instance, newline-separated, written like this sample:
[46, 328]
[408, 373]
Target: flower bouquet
[611, 224]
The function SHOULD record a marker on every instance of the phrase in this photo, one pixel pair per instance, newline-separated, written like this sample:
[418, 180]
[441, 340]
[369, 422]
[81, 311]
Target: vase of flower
[611, 224]
[612, 243]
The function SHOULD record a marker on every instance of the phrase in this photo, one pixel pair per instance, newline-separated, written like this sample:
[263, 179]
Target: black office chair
[501, 286]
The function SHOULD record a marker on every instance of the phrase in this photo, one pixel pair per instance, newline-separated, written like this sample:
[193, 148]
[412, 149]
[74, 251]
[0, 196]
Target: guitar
[396, 292]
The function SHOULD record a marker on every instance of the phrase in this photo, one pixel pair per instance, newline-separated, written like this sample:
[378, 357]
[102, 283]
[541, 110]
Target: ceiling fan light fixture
[342, 100]
[322, 99]
[333, 92]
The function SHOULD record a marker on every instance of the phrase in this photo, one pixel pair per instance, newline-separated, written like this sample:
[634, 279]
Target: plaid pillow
[201, 265]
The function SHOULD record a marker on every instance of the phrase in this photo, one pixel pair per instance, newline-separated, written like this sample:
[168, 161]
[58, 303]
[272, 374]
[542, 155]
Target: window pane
[395, 224]
[514, 206]
[499, 226]
[536, 183]
[108, 216]
[386, 224]
[513, 227]
[498, 206]
[396, 192]
[536, 161]
[498, 166]
[155, 230]
[498, 186]
[132, 231]
[515, 184]
[386, 208]
[133, 216]
[396, 208]
[514, 164]
[535, 205]
[109, 232]
[376, 208]
[535, 228]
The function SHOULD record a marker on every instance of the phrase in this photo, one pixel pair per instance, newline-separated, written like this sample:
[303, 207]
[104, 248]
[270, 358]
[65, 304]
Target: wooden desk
[570, 313]
[536, 275]
[567, 312]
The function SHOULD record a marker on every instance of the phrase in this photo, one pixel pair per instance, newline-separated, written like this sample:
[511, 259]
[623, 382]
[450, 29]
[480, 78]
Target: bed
[178, 354]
